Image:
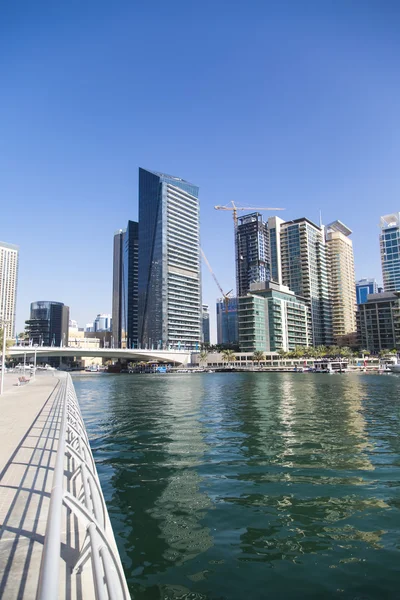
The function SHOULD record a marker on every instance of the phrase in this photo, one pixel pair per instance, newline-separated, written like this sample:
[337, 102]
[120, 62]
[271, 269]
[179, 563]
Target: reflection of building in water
[181, 506]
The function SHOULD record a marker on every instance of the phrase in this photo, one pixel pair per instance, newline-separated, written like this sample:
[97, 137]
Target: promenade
[29, 437]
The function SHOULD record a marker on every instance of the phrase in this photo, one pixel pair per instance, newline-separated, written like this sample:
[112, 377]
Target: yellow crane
[225, 296]
[235, 208]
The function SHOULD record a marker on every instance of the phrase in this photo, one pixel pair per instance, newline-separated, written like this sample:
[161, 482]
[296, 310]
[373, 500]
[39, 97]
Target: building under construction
[252, 252]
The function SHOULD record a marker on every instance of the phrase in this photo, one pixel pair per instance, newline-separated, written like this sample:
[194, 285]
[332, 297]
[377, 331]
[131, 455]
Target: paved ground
[29, 428]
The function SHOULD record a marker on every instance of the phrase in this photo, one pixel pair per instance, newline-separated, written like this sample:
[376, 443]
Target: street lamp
[3, 353]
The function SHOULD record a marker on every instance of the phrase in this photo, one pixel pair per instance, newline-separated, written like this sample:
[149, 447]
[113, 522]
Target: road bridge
[180, 357]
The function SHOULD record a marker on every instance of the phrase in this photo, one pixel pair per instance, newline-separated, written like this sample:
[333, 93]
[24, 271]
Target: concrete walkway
[29, 426]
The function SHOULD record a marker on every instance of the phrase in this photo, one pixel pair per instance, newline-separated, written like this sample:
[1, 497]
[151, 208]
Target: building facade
[274, 232]
[9, 256]
[124, 321]
[206, 324]
[102, 323]
[252, 252]
[304, 271]
[378, 322]
[272, 318]
[389, 240]
[48, 324]
[227, 321]
[364, 287]
[117, 292]
[341, 278]
[169, 276]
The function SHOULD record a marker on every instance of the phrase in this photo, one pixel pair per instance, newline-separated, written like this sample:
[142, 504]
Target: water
[250, 485]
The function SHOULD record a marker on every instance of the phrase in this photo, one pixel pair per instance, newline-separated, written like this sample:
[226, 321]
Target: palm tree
[320, 351]
[258, 355]
[203, 356]
[228, 356]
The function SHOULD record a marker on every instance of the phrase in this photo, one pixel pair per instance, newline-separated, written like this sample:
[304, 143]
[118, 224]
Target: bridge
[180, 357]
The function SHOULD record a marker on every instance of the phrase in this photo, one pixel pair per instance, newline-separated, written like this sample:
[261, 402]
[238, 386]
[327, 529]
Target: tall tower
[304, 271]
[129, 316]
[169, 288]
[117, 291]
[342, 288]
[9, 255]
[252, 247]
[389, 239]
[274, 231]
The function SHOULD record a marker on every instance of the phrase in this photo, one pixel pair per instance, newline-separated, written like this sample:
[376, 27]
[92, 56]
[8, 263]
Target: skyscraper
[365, 287]
[169, 286]
[8, 285]
[48, 323]
[117, 292]
[129, 315]
[342, 289]
[227, 321]
[206, 324]
[252, 248]
[125, 287]
[274, 232]
[304, 271]
[389, 239]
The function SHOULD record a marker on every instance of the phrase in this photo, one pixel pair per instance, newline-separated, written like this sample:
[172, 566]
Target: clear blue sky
[292, 104]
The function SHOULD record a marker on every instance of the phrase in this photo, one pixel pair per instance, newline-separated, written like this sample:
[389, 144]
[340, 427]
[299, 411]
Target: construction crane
[225, 296]
[235, 208]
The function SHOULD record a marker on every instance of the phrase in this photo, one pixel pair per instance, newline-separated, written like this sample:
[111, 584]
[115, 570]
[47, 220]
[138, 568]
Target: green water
[250, 485]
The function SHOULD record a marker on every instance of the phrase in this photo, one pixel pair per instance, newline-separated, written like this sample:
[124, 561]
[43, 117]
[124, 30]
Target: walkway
[28, 433]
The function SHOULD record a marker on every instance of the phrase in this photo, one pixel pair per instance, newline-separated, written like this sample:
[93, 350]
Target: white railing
[81, 493]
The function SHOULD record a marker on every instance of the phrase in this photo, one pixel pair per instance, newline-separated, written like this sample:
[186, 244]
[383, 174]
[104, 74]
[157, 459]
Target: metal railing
[85, 500]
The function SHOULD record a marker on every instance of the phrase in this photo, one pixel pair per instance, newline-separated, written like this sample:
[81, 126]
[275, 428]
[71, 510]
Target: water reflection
[212, 479]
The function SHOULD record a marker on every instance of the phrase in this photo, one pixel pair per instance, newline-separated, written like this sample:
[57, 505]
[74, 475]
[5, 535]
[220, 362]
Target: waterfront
[267, 485]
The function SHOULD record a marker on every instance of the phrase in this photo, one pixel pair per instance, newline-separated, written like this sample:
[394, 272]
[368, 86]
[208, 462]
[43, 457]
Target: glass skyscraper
[304, 271]
[227, 321]
[48, 323]
[390, 251]
[169, 277]
[252, 248]
[125, 287]
[364, 287]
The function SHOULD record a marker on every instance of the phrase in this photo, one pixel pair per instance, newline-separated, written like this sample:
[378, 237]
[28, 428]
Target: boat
[336, 365]
[393, 367]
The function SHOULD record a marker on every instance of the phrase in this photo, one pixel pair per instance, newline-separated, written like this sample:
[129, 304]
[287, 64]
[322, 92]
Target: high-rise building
[102, 322]
[48, 323]
[252, 248]
[274, 231]
[304, 271]
[272, 318]
[9, 254]
[365, 287]
[125, 287]
[389, 239]
[169, 286]
[130, 284]
[341, 277]
[206, 324]
[378, 322]
[117, 293]
[227, 321]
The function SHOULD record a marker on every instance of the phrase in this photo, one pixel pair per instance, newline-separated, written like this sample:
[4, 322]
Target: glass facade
[365, 287]
[169, 278]
[118, 334]
[206, 324]
[304, 271]
[252, 247]
[48, 323]
[378, 322]
[227, 324]
[390, 251]
[272, 319]
[129, 316]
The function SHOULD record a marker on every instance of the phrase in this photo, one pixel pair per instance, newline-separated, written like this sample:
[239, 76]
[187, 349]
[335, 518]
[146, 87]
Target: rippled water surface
[250, 485]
